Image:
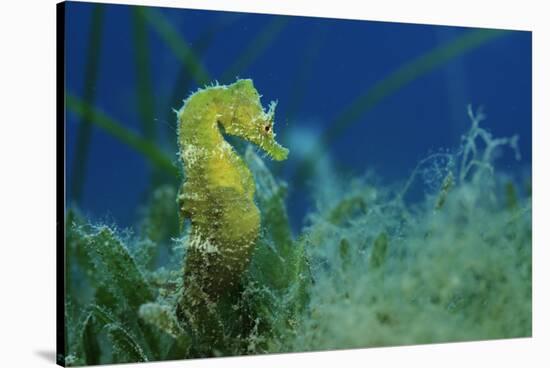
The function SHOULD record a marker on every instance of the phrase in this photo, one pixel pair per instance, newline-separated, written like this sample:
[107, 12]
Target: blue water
[343, 59]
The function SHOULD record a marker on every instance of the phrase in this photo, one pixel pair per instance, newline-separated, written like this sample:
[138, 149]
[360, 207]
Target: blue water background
[346, 58]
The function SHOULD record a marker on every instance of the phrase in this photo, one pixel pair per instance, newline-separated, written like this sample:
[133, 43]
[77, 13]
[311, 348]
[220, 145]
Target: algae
[369, 269]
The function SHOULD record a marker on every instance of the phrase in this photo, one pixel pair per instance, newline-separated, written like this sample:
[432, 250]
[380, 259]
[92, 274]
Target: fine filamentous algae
[214, 269]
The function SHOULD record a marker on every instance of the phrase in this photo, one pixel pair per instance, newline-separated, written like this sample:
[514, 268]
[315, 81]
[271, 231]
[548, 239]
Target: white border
[27, 192]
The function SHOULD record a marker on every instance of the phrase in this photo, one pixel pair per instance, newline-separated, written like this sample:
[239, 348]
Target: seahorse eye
[267, 128]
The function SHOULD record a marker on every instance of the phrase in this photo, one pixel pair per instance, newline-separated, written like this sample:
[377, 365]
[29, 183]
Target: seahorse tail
[214, 264]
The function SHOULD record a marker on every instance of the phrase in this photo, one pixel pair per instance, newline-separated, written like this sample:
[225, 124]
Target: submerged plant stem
[149, 150]
[143, 76]
[85, 130]
[179, 46]
[256, 47]
[393, 82]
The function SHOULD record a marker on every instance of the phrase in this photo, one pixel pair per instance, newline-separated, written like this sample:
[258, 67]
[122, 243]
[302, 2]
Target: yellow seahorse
[218, 191]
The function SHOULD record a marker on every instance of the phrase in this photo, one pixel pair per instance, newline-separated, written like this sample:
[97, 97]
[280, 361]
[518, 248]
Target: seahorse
[217, 194]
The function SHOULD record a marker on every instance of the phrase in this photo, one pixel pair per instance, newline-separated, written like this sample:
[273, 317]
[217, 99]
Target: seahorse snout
[274, 149]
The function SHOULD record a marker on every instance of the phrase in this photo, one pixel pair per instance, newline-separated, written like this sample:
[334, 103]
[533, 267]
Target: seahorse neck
[202, 142]
[198, 127]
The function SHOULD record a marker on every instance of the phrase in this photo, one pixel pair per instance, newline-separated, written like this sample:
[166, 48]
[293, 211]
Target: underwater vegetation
[454, 267]
[368, 270]
[212, 267]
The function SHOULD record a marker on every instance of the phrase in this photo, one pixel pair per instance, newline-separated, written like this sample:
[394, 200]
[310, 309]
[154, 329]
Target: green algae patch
[369, 268]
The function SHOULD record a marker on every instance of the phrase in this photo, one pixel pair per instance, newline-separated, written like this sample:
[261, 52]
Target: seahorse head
[249, 120]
